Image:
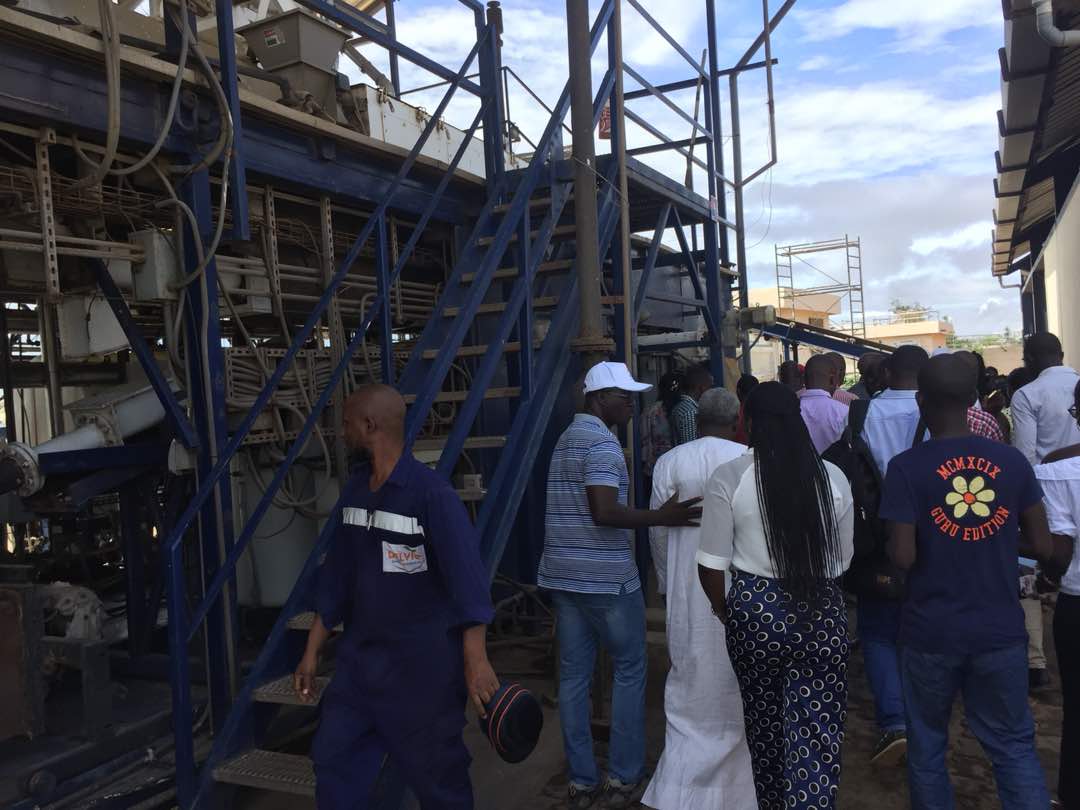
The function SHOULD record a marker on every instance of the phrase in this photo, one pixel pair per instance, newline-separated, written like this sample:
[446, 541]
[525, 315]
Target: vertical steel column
[717, 292]
[391, 29]
[134, 570]
[490, 63]
[50, 355]
[207, 397]
[625, 324]
[386, 326]
[7, 399]
[740, 223]
[584, 157]
[6, 391]
[173, 562]
[336, 332]
[238, 200]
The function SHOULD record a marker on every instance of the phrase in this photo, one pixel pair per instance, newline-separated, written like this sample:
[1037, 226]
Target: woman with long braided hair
[781, 520]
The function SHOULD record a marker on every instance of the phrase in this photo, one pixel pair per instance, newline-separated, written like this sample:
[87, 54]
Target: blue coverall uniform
[404, 574]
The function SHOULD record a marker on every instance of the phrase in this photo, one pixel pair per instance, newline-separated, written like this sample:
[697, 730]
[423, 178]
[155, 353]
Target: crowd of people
[918, 492]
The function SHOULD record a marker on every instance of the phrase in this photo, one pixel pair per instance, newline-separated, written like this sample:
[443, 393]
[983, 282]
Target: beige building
[924, 328]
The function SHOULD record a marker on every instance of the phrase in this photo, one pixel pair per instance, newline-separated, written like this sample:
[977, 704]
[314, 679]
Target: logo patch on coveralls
[403, 559]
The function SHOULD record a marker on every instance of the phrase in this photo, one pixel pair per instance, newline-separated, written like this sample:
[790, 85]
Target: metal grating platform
[281, 691]
[304, 621]
[270, 770]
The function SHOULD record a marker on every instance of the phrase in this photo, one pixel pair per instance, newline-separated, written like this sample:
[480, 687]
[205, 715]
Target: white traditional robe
[705, 764]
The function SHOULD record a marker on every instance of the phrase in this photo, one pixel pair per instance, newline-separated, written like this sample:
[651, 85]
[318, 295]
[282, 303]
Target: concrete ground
[540, 782]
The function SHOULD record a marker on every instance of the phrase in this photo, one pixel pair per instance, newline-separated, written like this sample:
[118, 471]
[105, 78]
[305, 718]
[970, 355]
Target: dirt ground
[863, 786]
[540, 782]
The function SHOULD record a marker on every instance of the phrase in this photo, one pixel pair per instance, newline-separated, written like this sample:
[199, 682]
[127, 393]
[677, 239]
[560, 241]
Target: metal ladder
[855, 296]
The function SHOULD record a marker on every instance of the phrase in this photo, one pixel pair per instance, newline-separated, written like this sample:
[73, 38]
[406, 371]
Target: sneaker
[582, 797]
[1038, 679]
[618, 795]
[891, 748]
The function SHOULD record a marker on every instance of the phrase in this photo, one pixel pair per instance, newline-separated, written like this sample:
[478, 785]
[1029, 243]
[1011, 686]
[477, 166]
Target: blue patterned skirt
[790, 657]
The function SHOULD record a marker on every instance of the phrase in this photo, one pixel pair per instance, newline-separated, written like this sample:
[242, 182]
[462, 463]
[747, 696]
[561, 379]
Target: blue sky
[886, 127]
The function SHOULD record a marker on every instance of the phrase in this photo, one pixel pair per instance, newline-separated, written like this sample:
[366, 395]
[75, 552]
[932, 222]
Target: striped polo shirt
[578, 555]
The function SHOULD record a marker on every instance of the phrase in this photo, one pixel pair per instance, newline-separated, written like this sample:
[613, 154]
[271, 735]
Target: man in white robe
[705, 764]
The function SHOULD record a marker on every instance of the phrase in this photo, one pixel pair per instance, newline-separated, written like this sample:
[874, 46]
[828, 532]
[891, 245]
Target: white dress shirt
[890, 425]
[732, 530]
[1040, 414]
[1061, 490]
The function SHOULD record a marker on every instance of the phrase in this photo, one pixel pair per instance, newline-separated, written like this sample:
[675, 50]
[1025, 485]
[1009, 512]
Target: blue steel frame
[301, 160]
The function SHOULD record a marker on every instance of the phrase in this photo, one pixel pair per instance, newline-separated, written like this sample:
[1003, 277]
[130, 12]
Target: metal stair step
[558, 230]
[461, 396]
[478, 350]
[511, 272]
[471, 443]
[538, 303]
[537, 202]
[304, 621]
[269, 770]
[281, 691]
[489, 309]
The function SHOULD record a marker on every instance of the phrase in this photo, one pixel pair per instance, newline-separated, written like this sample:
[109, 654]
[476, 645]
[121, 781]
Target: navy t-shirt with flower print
[964, 496]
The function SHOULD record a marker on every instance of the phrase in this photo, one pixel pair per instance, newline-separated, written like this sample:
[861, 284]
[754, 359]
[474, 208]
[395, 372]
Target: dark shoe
[618, 796]
[1038, 679]
[582, 798]
[891, 748]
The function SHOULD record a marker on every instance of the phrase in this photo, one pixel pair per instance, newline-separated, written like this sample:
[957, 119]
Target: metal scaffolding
[847, 285]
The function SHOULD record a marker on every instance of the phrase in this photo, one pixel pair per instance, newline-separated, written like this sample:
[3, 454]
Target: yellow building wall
[1062, 279]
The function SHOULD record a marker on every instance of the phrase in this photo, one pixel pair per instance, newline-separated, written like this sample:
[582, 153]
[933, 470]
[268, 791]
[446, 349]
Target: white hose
[110, 39]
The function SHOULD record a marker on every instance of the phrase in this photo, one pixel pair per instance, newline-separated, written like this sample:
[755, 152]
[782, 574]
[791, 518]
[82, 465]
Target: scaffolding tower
[788, 294]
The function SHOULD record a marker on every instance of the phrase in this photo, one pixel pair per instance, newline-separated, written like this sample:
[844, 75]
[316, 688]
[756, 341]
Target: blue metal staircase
[519, 254]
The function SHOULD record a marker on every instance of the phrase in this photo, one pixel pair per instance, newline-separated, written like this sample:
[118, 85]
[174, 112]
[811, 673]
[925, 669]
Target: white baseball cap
[612, 375]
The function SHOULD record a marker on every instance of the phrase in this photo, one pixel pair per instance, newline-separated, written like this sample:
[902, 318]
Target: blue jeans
[617, 623]
[995, 689]
[878, 627]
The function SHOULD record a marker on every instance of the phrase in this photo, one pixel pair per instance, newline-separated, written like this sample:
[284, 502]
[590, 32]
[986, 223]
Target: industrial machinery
[209, 234]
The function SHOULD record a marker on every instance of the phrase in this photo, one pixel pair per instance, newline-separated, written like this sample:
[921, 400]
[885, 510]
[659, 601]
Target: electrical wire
[174, 97]
[110, 38]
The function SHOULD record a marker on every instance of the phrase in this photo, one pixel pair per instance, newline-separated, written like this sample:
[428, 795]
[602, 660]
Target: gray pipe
[1044, 24]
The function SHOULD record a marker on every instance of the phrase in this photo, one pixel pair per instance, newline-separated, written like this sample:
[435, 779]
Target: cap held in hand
[513, 723]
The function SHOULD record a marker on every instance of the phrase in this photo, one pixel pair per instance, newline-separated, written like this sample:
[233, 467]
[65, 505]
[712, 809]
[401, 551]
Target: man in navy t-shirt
[958, 505]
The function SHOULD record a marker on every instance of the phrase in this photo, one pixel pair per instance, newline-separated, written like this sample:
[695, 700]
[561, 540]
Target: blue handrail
[225, 572]
[219, 469]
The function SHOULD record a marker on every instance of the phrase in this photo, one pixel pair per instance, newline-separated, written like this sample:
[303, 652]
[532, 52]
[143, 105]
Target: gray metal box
[152, 277]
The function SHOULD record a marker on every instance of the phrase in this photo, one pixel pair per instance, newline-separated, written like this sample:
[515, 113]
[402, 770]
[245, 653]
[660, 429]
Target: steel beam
[174, 413]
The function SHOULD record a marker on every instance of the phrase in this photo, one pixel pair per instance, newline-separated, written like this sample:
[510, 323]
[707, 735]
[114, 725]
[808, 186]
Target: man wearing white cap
[588, 564]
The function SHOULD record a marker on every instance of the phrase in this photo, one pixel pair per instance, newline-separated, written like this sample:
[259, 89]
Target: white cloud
[977, 234]
[873, 129]
[819, 62]
[916, 25]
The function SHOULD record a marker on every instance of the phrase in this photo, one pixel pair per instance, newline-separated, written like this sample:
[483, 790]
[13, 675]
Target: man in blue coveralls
[404, 574]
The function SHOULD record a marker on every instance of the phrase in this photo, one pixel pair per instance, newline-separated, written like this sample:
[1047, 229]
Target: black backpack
[872, 572]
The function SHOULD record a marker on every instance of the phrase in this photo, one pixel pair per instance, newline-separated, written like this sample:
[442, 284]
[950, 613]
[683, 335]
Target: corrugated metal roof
[1040, 117]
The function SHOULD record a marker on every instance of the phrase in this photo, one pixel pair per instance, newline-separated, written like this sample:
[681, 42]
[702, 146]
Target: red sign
[605, 122]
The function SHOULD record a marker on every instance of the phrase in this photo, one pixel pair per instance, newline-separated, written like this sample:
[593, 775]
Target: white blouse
[1061, 490]
[732, 531]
